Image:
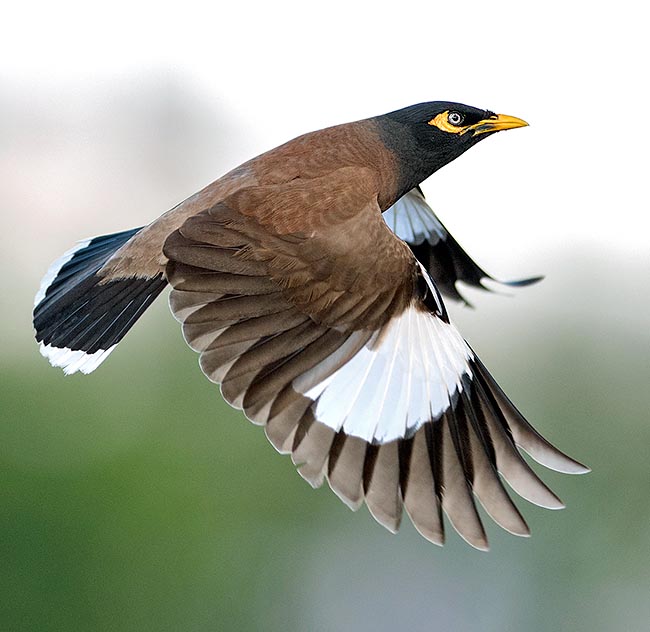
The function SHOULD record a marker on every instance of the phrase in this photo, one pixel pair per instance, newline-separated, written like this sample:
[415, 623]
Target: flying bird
[310, 280]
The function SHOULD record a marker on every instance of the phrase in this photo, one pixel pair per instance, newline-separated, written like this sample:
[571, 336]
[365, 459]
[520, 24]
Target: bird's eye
[455, 118]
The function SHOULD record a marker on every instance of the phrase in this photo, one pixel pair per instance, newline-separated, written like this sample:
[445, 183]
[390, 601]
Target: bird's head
[427, 136]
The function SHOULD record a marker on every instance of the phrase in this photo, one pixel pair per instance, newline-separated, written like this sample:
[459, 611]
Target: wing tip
[315, 479]
[477, 540]
[434, 537]
[545, 453]
[480, 544]
[387, 520]
[561, 462]
[566, 465]
[352, 501]
[522, 282]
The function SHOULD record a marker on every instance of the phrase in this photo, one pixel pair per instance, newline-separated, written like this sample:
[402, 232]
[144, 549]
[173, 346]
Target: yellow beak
[495, 124]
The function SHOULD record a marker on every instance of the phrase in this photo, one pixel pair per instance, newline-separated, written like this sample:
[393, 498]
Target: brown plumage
[322, 324]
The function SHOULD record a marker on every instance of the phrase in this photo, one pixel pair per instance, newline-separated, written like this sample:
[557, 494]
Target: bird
[311, 282]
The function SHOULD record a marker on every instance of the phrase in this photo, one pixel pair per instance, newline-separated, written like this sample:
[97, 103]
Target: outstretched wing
[413, 220]
[324, 328]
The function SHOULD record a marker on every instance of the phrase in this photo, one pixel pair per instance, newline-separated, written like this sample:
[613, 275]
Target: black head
[427, 136]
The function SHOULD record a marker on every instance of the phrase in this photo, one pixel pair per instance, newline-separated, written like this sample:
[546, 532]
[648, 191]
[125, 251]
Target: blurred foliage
[135, 499]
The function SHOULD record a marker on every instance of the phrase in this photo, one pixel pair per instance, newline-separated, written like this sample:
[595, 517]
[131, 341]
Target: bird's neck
[415, 162]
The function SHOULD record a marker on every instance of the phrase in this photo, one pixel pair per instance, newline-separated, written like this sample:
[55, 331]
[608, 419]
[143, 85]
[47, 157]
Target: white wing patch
[406, 374]
[55, 268]
[413, 221]
[72, 361]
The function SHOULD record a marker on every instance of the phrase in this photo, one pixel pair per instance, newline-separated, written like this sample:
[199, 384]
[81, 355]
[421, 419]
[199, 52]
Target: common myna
[324, 320]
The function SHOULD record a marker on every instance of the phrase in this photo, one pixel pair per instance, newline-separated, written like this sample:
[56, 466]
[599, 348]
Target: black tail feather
[80, 316]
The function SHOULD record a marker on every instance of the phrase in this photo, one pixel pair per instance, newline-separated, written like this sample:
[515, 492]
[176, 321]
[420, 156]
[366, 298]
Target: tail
[80, 315]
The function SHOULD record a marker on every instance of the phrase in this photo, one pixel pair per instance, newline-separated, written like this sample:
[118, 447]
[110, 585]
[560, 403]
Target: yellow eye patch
[441, 121]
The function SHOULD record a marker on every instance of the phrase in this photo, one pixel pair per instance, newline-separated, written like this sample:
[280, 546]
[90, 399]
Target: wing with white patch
[413, 220]
[381, 397]
[408, 373]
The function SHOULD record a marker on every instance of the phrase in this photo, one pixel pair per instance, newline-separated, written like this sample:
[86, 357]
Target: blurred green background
[134, 499]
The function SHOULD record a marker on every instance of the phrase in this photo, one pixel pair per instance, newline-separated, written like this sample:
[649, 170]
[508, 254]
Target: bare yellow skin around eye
[441, 121]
